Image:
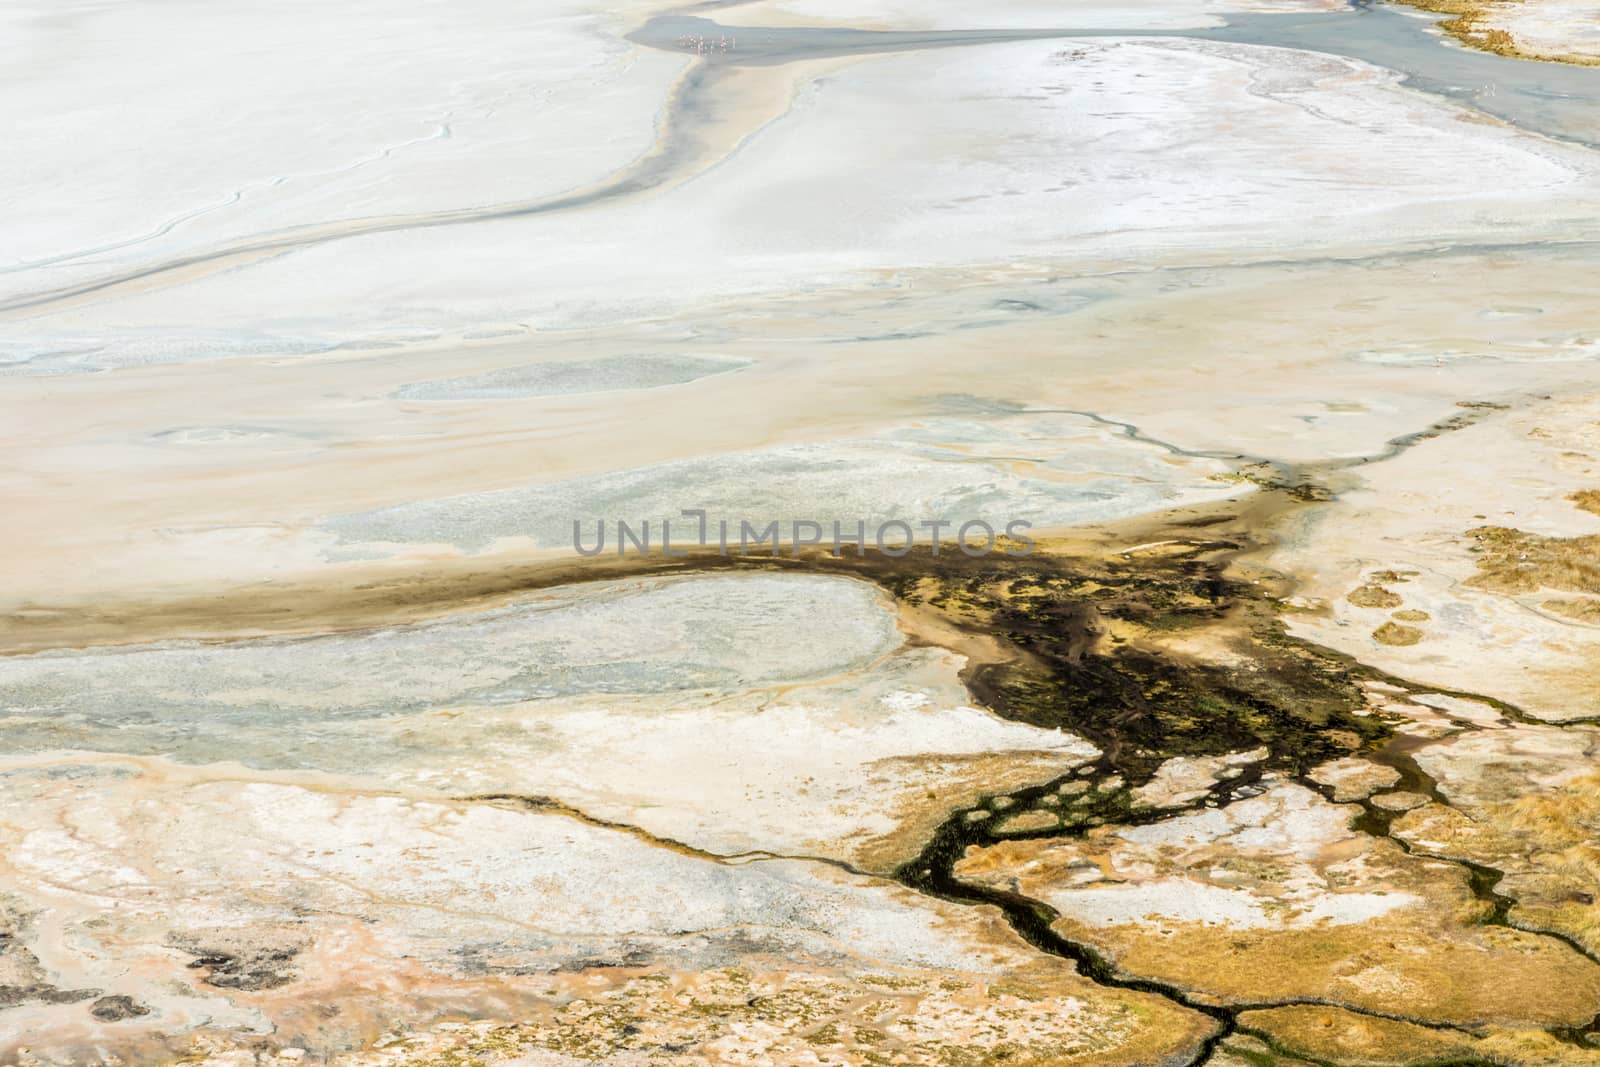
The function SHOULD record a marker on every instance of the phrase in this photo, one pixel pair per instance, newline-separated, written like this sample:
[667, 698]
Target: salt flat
[883, 228]
[722, 712]
[944, 15]
[435, 910]
[1020, 116]
[1503, 623]
[320, 328]
[309, 117]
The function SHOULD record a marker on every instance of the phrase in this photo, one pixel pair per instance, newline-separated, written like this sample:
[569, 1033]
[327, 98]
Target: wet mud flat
[1171, 649]
[1090, 612]
[1156, 639]
[1099, 643]
[1088, 633]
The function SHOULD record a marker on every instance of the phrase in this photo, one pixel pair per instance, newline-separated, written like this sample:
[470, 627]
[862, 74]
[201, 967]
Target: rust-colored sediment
[1472, 23]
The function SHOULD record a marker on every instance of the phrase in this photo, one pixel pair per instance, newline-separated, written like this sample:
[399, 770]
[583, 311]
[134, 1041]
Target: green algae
[1089, 639]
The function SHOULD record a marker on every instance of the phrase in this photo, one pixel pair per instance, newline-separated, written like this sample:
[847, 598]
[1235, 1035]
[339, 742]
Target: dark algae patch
[240, 961]
[116, 1008]
[1099, 638]
[1175, 647]
[1098, 644]
[1153, 639]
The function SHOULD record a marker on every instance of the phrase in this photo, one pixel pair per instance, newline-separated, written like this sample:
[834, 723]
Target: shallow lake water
[1547, 98]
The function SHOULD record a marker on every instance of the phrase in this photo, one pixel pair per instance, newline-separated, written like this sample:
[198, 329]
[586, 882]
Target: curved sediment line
[389, 599]
[548, 805]
[678, 154]
[1305, 481]
[442, 131]
[716, 47]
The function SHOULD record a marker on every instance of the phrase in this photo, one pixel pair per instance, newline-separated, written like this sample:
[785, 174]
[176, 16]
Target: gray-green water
[1548, 98]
